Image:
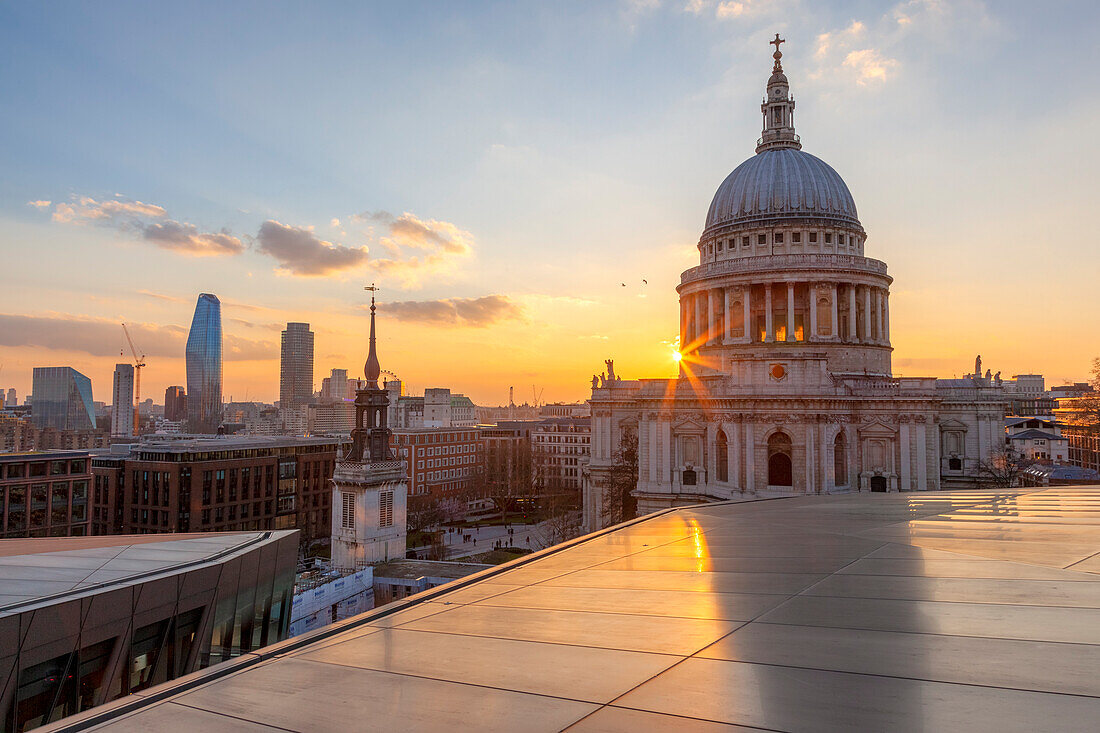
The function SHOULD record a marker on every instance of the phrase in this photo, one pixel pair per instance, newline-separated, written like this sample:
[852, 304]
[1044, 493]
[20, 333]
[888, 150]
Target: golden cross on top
[371, 287]
[777, 41]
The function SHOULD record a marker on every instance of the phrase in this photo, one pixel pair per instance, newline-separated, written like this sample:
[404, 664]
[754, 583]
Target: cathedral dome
[782, 183]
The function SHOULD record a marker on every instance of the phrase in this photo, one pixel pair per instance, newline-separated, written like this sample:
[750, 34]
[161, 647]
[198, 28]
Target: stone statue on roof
[978, 366]
[610, 369]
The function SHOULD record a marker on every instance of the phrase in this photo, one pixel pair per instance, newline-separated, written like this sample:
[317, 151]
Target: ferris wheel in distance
[387, 373]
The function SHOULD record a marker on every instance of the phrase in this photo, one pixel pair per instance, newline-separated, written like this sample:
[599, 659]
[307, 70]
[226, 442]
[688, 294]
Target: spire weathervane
[778, 54]
[372, 369]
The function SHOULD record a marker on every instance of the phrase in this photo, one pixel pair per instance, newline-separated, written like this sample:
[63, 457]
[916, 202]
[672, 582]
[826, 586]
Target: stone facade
[785, 381]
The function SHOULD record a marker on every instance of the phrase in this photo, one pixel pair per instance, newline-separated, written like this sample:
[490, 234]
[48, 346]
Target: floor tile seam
[677, 590]
[220, 714]
[645, 682]
[840, 569]
[539, 641]
[1084, 559]
[830, 670]
[803, 594]
[925, 633]
[1083, 579]
[559, 643]
[666, 714]
[931, 633]
[622, 613]
[456, 682]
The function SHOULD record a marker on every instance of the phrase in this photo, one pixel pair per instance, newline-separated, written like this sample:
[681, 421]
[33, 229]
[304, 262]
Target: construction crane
[537, 395]
[139, 362]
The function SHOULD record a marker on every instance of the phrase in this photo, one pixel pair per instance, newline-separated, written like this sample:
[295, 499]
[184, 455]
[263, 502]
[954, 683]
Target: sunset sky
[501, 169]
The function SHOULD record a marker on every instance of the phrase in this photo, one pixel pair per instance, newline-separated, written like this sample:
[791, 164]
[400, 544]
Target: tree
[1086, 409]
[1004, 468]
[509, 474]
[560, 519]
[424, 516]
[619, 503]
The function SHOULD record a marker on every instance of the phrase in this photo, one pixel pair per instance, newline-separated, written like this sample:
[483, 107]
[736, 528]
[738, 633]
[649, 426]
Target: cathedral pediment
[952, 424]
[689, 427]
[875, 429]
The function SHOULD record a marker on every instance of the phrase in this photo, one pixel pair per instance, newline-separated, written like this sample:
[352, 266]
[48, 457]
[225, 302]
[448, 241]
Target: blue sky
[507, 166]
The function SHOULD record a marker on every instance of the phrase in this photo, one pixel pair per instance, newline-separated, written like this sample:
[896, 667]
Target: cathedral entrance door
[878, 483]
[779, 470]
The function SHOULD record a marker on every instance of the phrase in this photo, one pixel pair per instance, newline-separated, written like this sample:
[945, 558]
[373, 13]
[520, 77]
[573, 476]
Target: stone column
[697, 331]
[880, 329]
[906, 451]
[828, 480]
[750, 459]
[654, 466]
[746, 315]
[734, 453]
[727, 324]
[853, 334]
[811, 296]
[710, 449]
[712, 316]
[790, 311]
[867, 337]
[811, 459]
[769, 333]
[886, 316]
[922, 458]
[836, 312]
[683, 322]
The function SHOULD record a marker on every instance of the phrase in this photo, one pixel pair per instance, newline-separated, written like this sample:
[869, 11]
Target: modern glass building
[88, 620]
[61, 398]
[204, 366]
[296, 365]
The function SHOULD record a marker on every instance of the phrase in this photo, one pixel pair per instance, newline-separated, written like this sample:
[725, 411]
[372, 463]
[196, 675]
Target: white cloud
[40, 204]
[418, 247]
[186, 238]
[85, 209]
[870, 65]
[471, 312]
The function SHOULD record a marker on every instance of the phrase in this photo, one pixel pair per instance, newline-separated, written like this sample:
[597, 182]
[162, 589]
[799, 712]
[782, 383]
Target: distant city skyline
[527, 208]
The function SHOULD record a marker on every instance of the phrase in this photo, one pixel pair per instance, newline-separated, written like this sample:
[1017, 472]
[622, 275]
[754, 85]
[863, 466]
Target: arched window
[840, 460]
[779, 460]
[722, 455]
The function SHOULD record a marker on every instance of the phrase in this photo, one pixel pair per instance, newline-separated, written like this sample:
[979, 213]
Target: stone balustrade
[771, 263]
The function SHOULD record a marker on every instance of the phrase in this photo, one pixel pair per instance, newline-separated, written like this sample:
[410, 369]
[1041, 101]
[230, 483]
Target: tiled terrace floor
[962, 611]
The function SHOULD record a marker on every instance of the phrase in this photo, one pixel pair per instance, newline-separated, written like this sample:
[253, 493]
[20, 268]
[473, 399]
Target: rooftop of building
[968, 610]
[42, 455]
[194, 444]
[413, 569]
[565, 422]
[451, 429]
[41, 571]
[1063, 472]
[1033, 434]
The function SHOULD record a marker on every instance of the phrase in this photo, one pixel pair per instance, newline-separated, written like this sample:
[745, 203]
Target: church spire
[778, 108]
[372, 369]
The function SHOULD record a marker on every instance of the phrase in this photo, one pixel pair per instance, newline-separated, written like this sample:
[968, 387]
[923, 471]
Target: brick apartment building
[44, 494]
[444, 464]
[216, 484]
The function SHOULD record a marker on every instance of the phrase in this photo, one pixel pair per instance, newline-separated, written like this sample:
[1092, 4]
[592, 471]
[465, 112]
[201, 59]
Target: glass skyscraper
[62, 398]
[204, 366]
[296, 366]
